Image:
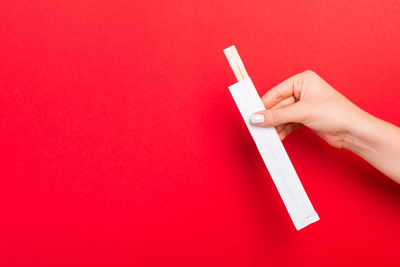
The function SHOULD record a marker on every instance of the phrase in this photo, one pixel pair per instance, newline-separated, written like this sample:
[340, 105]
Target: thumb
[273, 117]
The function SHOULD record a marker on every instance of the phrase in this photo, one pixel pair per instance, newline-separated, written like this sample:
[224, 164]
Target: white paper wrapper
[275, 157]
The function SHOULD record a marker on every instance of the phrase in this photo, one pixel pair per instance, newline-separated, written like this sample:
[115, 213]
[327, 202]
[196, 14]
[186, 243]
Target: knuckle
[298, 87]
[278, 95]
[272, 117]
[309, 73]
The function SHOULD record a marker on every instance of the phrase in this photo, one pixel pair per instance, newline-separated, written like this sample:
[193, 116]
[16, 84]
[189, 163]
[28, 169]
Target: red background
[121, 145]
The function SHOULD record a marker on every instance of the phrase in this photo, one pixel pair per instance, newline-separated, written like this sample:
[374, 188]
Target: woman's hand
[306, 99]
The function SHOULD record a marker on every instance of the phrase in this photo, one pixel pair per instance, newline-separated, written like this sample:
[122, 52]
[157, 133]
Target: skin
[306, 99]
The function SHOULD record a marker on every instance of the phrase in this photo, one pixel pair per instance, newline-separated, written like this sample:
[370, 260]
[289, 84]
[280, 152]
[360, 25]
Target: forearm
[378, 142]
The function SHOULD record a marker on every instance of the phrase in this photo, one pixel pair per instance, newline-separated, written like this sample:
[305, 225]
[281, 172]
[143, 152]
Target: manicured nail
[256, 118]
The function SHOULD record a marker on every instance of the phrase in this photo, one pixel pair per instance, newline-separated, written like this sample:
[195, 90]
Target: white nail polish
[256, 118]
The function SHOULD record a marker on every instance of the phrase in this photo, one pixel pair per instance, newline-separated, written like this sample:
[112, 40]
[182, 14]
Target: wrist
[362, 133]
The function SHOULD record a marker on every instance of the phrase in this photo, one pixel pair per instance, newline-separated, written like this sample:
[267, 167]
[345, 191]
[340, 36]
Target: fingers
[278, 93]
[280, 127]
[291, 87]
[274, 117]
[284, 103]
[286, 129]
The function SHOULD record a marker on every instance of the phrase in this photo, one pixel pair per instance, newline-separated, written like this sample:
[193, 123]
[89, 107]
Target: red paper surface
[121, 145]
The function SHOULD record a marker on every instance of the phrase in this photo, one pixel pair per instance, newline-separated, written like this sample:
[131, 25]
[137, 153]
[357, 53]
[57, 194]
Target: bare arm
[378, 142]
[306, 99]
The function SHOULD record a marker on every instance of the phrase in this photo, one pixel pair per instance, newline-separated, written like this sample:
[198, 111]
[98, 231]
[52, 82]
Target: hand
[306, 99]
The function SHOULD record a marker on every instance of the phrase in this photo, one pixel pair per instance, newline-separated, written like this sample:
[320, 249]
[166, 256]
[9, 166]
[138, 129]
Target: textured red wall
[121, 145]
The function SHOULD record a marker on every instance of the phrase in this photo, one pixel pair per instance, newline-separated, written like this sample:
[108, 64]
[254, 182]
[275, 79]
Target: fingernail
[256, 118]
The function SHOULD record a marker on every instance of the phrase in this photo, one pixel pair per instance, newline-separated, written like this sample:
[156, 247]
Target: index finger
[279, 92]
